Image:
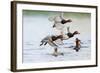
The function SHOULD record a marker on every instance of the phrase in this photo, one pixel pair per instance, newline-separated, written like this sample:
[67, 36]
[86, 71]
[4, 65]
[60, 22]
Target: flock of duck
[59, 24]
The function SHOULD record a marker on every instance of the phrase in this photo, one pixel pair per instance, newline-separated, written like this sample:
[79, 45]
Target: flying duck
[70, 34]
[60, 21]
[51, 40]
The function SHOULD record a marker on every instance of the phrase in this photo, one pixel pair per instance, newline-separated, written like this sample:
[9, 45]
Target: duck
[51, 40]
[60, 21]
[69, 34]
[77, 44]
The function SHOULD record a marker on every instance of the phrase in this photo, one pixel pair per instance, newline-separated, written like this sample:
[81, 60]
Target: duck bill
[78, 33]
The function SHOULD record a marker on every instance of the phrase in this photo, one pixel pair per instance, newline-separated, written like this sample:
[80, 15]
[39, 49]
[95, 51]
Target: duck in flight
[51, 40]
[60, 21]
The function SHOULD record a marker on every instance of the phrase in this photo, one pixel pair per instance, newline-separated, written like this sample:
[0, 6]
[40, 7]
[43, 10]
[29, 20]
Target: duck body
[60, 21]
[78, 45]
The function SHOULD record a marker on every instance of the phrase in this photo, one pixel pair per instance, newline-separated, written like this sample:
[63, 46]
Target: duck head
[69, 20]
[66, 21]
[76, 32]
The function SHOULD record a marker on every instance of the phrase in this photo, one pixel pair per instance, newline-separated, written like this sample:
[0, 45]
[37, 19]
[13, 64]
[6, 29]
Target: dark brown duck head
[72, 34]
[66, 21]
[76, 32]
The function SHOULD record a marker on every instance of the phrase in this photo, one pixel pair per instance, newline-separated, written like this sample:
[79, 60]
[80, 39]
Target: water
[33, 53]
[36, 26]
